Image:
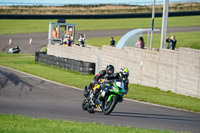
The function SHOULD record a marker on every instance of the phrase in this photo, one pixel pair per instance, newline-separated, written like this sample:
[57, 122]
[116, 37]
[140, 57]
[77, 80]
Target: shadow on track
[152, 116]
[7, 77]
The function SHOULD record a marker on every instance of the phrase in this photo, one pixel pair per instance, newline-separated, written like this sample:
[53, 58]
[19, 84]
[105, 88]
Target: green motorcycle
[111, 96]
[107, 98]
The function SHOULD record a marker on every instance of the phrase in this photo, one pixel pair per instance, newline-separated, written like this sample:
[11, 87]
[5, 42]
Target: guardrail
[66, 63]
[97, 16]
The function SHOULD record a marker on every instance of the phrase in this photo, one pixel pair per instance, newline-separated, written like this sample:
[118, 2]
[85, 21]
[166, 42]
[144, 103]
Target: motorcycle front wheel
[108, 106]
[84, 104]
[90, 107]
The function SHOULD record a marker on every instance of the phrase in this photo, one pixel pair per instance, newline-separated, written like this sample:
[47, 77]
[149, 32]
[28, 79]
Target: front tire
[109, 106]
[85, 104]
[90, 107]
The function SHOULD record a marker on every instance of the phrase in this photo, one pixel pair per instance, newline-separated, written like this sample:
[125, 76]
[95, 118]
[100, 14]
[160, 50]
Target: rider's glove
[106, 80]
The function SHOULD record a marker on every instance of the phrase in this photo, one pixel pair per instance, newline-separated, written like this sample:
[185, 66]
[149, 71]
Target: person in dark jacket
[172, 42]
[102, 74]
[122, 75]
[67, 41]
[112, 42]
[81, 41]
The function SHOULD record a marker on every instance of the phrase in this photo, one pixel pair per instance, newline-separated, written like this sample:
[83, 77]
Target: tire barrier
[37, 55]
[66, 63]
[97, 16]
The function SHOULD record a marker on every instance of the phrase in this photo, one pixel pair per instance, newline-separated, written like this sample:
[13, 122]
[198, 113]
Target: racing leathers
[100, 75]
[117, 76]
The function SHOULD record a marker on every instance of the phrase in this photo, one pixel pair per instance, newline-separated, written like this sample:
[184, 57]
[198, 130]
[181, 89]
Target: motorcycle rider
[14, 50]
[102, 74]
[122, 75]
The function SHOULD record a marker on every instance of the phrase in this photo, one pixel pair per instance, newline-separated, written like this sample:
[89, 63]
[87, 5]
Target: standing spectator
[81, 41]
[67, 41]
[55, 33]
[172, 42]
[112, 42]
[140, 43]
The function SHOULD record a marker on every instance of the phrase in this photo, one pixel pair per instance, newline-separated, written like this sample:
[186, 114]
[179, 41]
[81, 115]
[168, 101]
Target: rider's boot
[86, 91]
[121, 99]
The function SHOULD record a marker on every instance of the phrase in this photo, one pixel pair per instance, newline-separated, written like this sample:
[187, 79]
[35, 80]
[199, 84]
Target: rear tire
[85, 104]
[109, 106]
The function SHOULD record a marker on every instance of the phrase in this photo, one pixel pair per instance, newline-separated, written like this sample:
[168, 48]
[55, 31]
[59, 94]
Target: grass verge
[9, 26]
[184, 39]
[22, 124]
[26, 63]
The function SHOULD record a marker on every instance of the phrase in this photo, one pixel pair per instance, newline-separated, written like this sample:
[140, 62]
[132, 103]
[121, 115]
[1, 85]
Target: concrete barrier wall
[167, 70]
[177, 71]
[143, 65]
[188, 74]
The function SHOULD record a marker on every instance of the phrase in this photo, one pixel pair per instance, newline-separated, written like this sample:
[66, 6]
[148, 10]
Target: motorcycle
[111, 95]
[106, 99]
[14, 50]
[88, 95]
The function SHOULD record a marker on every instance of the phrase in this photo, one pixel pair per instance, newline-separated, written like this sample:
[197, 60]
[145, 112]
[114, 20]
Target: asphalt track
[29, 95]
[26, 94]
[40, 39]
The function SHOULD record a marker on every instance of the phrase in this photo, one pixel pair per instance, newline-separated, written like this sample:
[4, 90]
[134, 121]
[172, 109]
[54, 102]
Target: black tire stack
[66, 63]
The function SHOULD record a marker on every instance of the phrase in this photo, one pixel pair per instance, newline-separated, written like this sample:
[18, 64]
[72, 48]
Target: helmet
[67, 36]
[124, 73]
[110, 69]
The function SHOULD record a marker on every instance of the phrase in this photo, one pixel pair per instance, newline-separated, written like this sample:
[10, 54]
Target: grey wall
[177, 71]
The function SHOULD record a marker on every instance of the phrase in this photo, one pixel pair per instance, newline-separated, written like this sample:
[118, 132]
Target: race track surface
[26, 94]
[39, 40]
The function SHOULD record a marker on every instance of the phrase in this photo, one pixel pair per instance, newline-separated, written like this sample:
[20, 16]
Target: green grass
[99, 42]
[9, 26]
[23, 124]
[156, 96]
[184, 39]
[26, 63]
[44, 49]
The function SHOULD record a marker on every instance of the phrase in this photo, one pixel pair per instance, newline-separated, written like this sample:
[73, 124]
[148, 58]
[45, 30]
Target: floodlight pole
[164, 24]
[153, 15]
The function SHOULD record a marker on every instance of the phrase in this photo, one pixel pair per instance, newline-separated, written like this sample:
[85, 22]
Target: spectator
[67, 41]
[55, 33]
[112, 42]
[81, 41]
[172, 42]
[140, 43]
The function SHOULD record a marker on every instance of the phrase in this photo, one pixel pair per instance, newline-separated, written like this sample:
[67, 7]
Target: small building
[58, 31]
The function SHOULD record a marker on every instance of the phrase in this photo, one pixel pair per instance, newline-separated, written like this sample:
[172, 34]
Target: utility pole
[153, 15]
[164, 24]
